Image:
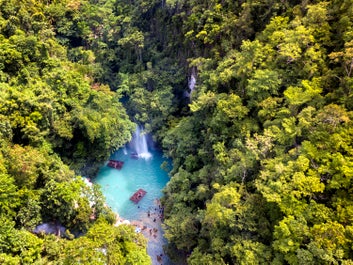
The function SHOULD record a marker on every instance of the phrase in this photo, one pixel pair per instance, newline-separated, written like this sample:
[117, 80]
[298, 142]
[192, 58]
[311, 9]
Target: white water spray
[191, 83]
[140, 144]
[124, 150]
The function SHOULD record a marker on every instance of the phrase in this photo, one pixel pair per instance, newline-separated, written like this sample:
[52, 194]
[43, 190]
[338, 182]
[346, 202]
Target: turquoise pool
[119, 185]
[141, 170]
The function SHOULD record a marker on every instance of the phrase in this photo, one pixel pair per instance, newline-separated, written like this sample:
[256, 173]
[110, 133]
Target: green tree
[23, 245]
[68, 203]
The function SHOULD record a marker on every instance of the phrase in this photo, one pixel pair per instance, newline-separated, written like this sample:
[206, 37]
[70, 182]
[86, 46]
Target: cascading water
[191, 83]
[140, 144]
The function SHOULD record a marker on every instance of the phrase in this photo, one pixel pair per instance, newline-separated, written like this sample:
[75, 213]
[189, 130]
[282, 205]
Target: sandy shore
[150, 225]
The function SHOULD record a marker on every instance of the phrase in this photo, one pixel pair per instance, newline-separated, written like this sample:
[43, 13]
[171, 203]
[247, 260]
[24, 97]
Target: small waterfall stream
[191, 83]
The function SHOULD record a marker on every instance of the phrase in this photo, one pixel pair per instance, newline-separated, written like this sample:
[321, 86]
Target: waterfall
[140, 144]
[191, 83]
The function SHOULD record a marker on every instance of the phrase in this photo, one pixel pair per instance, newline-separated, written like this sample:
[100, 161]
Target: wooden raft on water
[138, 195]
[115, 164]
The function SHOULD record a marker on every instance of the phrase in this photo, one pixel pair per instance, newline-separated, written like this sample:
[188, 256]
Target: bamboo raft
[115, 164]
[138, 195]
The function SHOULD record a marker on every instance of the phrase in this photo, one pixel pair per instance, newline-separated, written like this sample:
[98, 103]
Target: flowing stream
[141, 170]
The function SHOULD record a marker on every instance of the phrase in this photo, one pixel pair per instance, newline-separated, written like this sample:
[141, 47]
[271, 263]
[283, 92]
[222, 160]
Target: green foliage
[262, 161]
[57, 115]
[29, 214]
[262, 152]
[21, 244]
[104, 244]
[9, 198]
[68, 203]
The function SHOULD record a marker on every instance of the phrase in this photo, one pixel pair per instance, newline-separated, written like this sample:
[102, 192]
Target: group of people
[157, 213]
[154, 232]
[150, 226]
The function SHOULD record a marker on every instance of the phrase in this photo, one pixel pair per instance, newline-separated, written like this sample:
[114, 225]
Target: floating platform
[138, 195]
[115, 164]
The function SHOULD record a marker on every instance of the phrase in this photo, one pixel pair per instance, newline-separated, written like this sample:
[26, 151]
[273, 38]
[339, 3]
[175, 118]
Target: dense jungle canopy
[262, 146]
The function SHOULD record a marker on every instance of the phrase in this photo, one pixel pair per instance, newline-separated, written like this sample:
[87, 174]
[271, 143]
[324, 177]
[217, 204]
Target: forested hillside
[261, 146]
[263, 162]
[57, 121]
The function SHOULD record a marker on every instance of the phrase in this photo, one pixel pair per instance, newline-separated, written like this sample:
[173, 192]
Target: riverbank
[150, 225]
